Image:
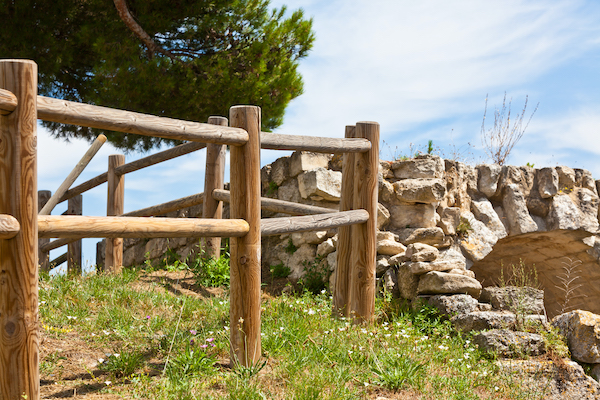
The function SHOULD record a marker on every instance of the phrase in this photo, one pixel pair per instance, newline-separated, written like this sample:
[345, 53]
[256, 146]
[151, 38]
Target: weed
[272, 189]
[190, 362]
[567, 278]
[290, 248]
[170, 258]
[280, 271]
[464, 227]
[430, 147]
[123, 364]
[530, 165]
[316, 275]
[396, 371]
[212, 272]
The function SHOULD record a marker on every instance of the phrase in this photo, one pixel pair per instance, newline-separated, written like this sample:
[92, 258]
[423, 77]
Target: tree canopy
[185, 59]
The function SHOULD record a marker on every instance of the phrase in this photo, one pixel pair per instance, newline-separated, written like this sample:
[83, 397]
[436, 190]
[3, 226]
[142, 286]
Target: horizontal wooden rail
[161, 209]
[278, 226]
[8, 102]
[69, 112]
[59, 260]
[315, 144]
[132, 227]
[84, 187]
[165, 155]
[279, 206]
[55, 244]
[9, 226]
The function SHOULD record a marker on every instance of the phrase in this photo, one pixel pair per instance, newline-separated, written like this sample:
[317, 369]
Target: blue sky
[422, 69]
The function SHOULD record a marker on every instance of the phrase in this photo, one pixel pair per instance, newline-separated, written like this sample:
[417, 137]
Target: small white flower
[226, 328]
[496, 388]
[100, 360]
[388, 335]
[311, 312]
[281, 328]
[117, 355]
[366, 383]
[466, 356]
[107, 383]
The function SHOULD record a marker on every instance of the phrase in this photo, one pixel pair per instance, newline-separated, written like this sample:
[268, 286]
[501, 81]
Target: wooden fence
[23, 230]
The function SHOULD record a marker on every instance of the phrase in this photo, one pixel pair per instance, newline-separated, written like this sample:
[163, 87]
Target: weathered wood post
[342, 274]
[19, 323]
[214, 178]
[364, 236]
[113, 260]
[43, 256]
[75, 207]
[244, 314]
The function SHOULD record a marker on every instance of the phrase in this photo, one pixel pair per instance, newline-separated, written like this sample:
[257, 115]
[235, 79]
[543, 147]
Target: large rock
[407, 282]
[412, 215]
[382, 264]
[566, 178]
[515, 208]
[582, 331]
[454, 255]
[507, 343]
[547, 179]
[420, 190]
[484, 212]
[421, 252]
[420, 268]
[280, 170]
[489, 175]
[383, 216]
[522, 300]
[478, 240]
[296, 262]
[325, 248]
[422, 166]
[442, 283]
[303, 161]
[563, 214]
[320, 183]
[310, 237]
[387, 244]
[450, 306]
[433, 236]
[484, 320]
[289, 191]
[584, 179]
[390, 281]
[449, 219]
[587, 202]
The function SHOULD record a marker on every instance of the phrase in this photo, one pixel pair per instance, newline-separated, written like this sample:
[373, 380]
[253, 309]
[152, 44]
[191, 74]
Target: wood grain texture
[59, 260]
[74, 259]
[55, 244]
[69, 112]
[85, 186]
[43, 256]
[138, 227]
[113, 260]
[8, 102]
[279, 206]
[73, 175]
[313, 143]
[164, 208]
[363, 240]
[278, 226]
[19, 320]
[344, 249]
[214, 178]
[9, 226]
[244, 312]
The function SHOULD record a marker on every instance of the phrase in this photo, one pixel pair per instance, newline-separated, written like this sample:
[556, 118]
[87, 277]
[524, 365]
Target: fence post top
[367, 123]
[241, 106]
[17, 61]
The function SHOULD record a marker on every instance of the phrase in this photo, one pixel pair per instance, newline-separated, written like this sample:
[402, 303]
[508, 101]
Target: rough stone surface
[587, 202]
[479, 239]
[421, 252]
[412, 215]
[450, 306]
[563, 214]
[320, 183]
[459, 271]
[390, 247]
[280, 170]
[484, 211]
[449, 219]
[407, 282]
[423, 166]
[302, 161]
[488, 179]
[332, 261]
[441, 283]
[310, 237]
[454, 255]
[325, 248]
[484, 320]
[582, 330]
[383, 216]
[566, 178]
[296, 261]
[584, 179]
[515, 208]
[507, 343]
[525, 300]
[547, 182]
[382, 264]
[289, 191]
[432, 236]
[420, 268]
[420, 190]
[595, 372]
[390, 281]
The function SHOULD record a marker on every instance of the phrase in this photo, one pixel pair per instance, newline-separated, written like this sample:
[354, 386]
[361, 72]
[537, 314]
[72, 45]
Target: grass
[156, 342]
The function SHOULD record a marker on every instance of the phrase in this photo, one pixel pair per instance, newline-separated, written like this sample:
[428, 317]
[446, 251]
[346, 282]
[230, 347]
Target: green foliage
[464, 227]
[430, 147]
[280, 271]
[211, 55]
[316, 275]
[272, 188]
[190, 362]
[530, 165]
[123, 364]
[395, 371]
[212, 272]
[290, 248]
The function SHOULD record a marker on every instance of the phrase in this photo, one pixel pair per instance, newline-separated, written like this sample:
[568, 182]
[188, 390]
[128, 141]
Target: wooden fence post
[342, 273]
[43, 257]
[75, 207]
[214, 178]
[364, 236]
[113, 260]
[244, 311]
[19, 319]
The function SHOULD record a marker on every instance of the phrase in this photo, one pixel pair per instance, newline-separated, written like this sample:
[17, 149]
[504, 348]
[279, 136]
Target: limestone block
[521, 177]
[484, 320]
[383, 216]
[386, 191]
[455, 256]
[449, 219]
[412, 215]
[422, 166]
[407, 282]
[421, 267]
[390, 281]
[385, 235]
[484, 212]
[563, 214]
[382, 264]
[390, 247]
[547, 180]
[265, 178]
[489, 175]
[280, 170]
[538, 206]
[421, 252]
[566, 178]
[289, 191]
[587, 202]
[332, 261]
[401, 257]
[433, 236]
[325, 248]
[303, 161]
[460, 271]
[385, 169]
[420, 190]
[442, 283]
[507, 343]
[515, 208]
[450, 306]
[582, 331]
[479, 239]
[584, 179]
[502, 217]
[322, 183]
[525, 300]
[310, 237]
[296, 261]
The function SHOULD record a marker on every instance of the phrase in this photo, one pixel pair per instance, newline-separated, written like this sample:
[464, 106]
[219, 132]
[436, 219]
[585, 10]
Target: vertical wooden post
[214, 178]
[344, 248]
[75, 207]
[113, 260]
[43, 257]
[364, 236]
[19, 320]
[244, 314]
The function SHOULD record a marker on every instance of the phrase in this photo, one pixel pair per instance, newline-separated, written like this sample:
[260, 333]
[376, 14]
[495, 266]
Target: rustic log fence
[24, 232]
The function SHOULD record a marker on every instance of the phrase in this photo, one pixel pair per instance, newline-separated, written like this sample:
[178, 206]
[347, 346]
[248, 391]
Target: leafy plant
[290, 248]
[190, 362]
[272, 189]
[464, 227]
[395, 371]
[280, 271]
[567, 278]
[430, 147]
[212, 272]
[122, 364]
[316, 275]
